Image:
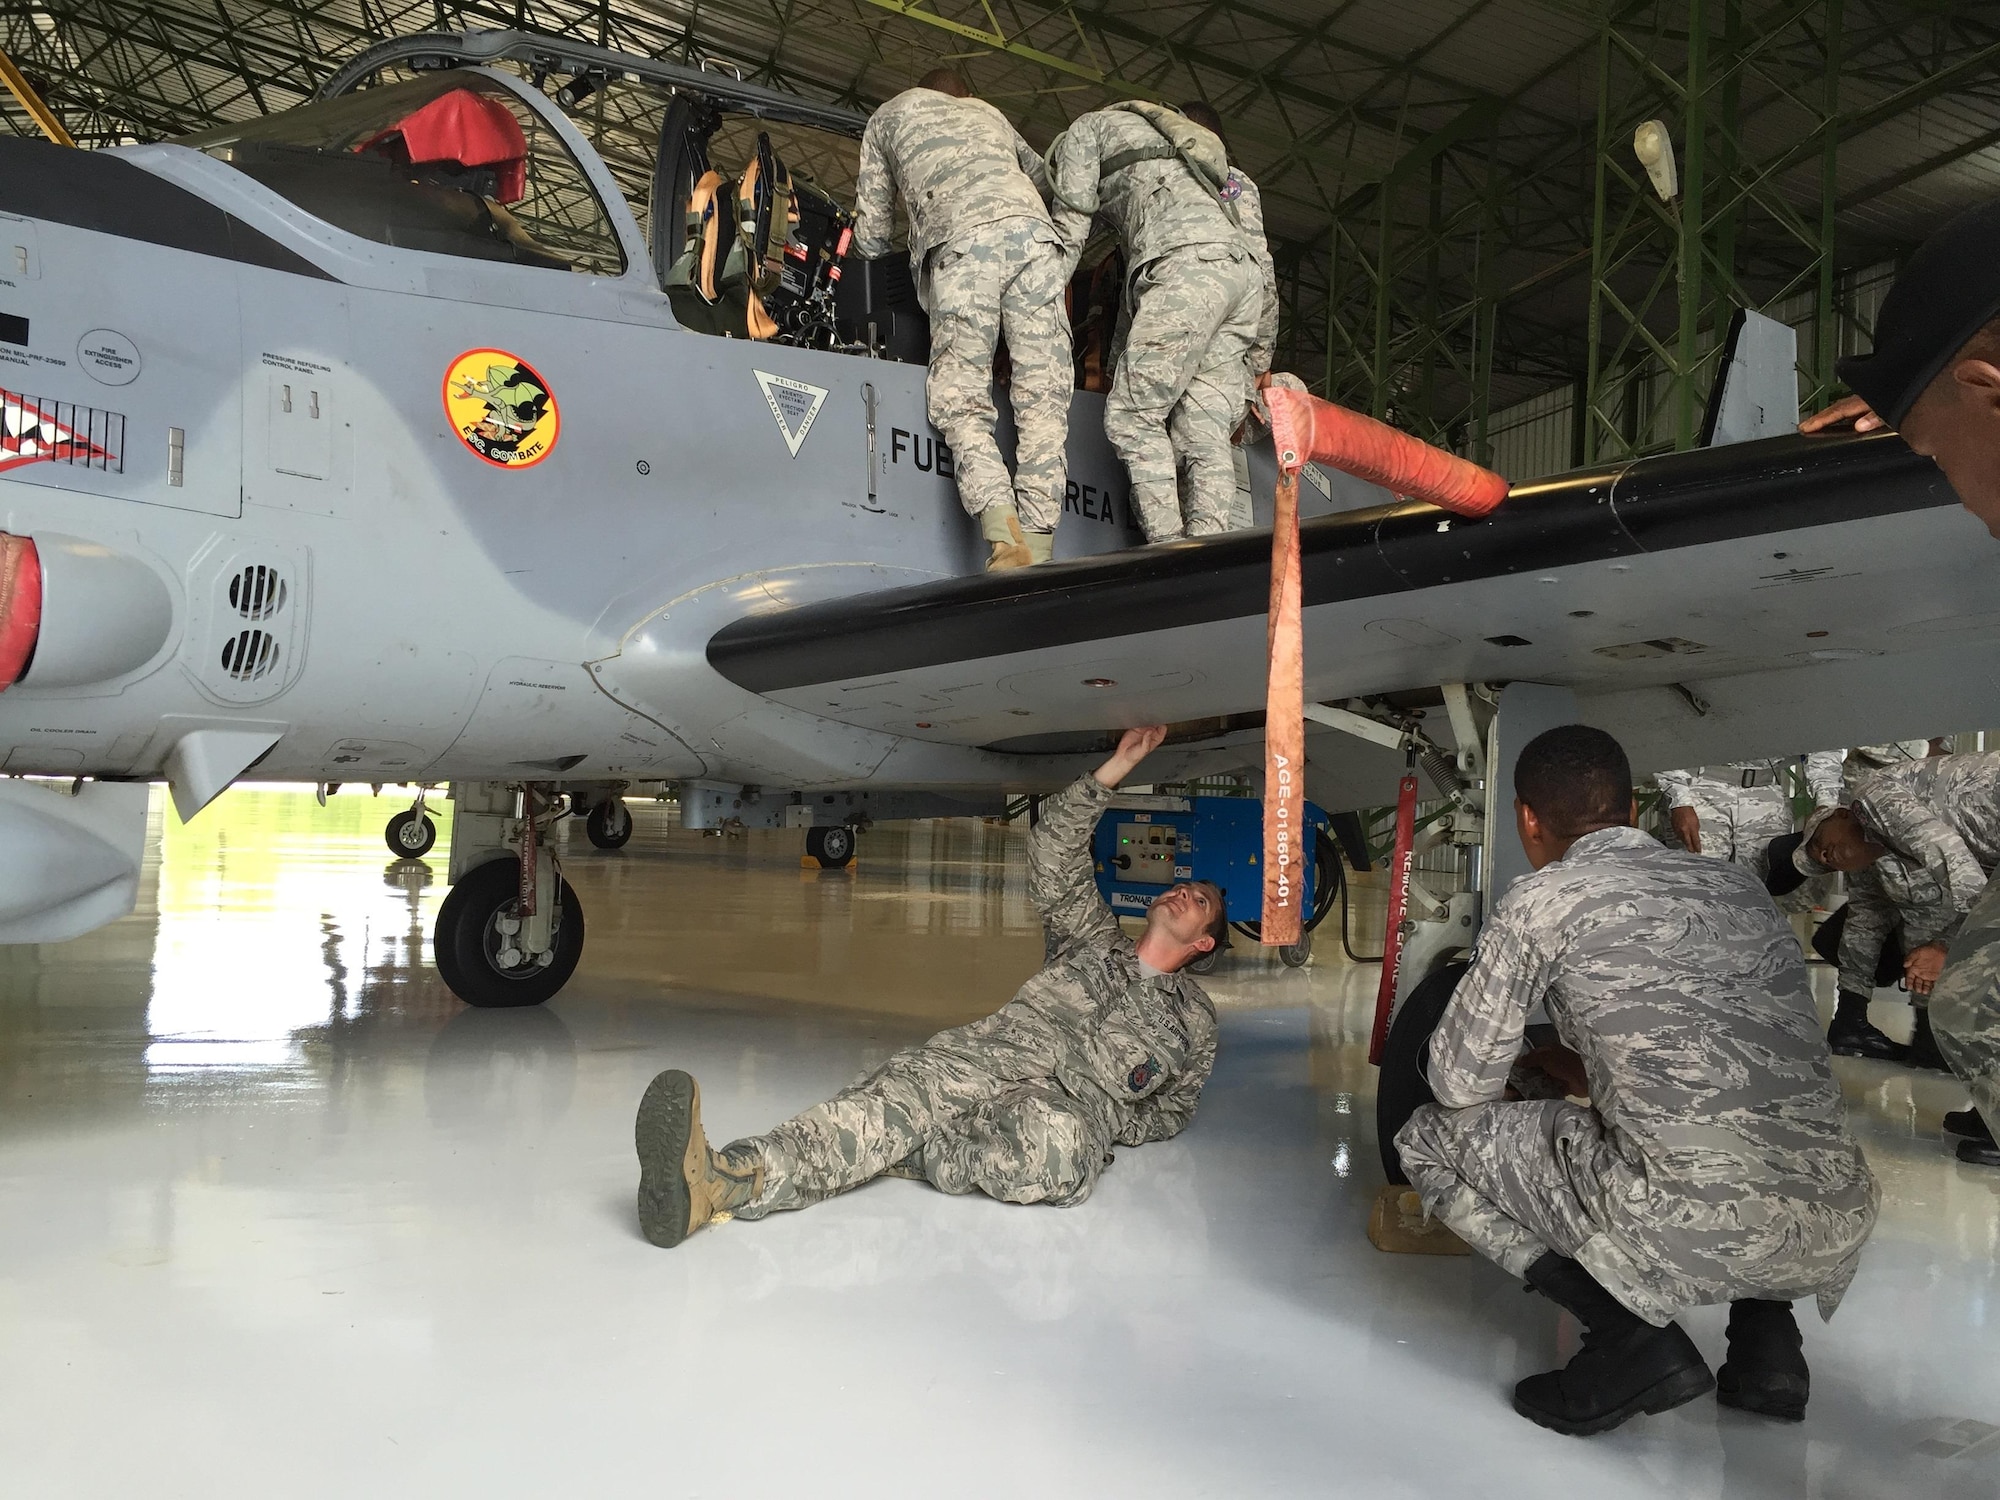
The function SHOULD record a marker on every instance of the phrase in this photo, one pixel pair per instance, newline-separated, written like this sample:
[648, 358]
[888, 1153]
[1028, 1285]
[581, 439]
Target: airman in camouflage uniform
[1100, 1048]
[988, 265]
[1936, 823]
[1712, 1163]
[1196, 292]
[1739, 808]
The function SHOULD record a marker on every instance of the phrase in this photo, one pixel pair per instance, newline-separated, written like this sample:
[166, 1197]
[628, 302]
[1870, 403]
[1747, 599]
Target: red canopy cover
[469, 130]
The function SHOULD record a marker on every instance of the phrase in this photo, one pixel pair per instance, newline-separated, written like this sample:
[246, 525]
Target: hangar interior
[295, 1218]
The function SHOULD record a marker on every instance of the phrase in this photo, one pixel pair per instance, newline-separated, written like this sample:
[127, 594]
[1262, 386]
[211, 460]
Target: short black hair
[1577, 779]
[1203, 114]
[946, 81]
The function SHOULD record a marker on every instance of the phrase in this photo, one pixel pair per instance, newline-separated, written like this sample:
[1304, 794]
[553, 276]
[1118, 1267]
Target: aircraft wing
[1702, 604]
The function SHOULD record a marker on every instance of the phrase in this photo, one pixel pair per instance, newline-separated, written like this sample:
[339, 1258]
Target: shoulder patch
[1232, 186]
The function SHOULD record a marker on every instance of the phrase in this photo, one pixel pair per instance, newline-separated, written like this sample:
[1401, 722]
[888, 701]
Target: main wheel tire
[1294, 955]
[466, 940]
[410, 835]
[609, 824]
[1400, 1090]
[832, 846]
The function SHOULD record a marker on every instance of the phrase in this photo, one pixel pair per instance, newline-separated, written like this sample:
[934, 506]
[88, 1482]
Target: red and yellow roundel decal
[501, 409]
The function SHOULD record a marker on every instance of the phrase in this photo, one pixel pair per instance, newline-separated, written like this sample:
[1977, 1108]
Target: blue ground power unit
[1145, 844]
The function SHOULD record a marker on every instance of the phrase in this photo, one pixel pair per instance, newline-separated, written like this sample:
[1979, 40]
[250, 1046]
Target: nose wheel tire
[476, 940]
[832, 847]
[1401, 1089]
[410, 835]
[609, 824]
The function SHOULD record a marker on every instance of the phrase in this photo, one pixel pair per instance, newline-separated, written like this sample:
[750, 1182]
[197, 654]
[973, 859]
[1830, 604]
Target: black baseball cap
[1948, 291]
[1781, 875]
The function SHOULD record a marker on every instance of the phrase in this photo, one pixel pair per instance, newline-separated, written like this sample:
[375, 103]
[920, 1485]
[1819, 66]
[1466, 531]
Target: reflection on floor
[281, 1217]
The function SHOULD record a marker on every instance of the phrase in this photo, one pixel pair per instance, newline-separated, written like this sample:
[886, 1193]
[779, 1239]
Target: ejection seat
[720, 283]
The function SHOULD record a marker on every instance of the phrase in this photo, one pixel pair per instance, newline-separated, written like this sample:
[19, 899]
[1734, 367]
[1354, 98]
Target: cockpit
[450, 162]
[742, 198]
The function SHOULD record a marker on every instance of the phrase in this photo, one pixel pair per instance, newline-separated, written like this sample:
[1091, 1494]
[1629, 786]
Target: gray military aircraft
[376, 441]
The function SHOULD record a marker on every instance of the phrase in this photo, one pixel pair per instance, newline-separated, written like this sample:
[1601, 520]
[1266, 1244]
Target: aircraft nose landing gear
[510, 931]
[411, 834]
[609, 824]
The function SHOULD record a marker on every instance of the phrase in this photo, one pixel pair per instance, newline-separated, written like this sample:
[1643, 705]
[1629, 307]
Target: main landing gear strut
[510, 931]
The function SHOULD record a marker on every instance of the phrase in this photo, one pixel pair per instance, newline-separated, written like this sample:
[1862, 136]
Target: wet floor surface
[279, 1216]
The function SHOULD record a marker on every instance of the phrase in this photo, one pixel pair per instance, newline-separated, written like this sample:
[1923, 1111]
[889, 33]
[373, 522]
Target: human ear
[1980, 379]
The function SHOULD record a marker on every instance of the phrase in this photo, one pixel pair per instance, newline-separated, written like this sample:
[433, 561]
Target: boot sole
[1869, 1054]
[1677, 1389]
[1781, 1397]
[666, 1116]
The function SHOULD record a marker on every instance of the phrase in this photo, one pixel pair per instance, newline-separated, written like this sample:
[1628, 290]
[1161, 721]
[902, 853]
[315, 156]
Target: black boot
[1924, 1048]
[1969, 1123]
[1766, 1369]
[1626, 1366]
[1977, 1153]
[1851, 1035]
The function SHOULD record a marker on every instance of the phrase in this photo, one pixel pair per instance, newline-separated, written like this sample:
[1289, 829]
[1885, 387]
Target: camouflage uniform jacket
[1250, 215]
[959, 163]
[1685, 993]
[1864, 761]
[1155, 205]
[1141, 1044]
[1940, 819]
[1822, 777]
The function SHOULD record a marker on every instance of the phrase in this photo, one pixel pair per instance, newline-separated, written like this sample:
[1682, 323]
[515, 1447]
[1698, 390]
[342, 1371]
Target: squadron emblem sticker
[501, 409]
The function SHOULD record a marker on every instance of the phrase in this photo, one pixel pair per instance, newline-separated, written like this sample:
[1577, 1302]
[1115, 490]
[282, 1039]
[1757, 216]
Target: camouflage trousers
[1003, 280]
[1738, 824]
[1516, 1179]
[1965, 1006]
[938, 1113]
[1181, 384]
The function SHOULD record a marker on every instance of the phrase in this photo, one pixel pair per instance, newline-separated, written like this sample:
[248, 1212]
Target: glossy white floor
[279, 1217]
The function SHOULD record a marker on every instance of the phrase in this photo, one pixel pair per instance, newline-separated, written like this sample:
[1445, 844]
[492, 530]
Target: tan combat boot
[1002, 528]
[1041, 545]
[682, 1184]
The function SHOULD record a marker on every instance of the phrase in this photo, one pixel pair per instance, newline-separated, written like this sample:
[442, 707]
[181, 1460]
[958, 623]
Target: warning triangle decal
[794, 404]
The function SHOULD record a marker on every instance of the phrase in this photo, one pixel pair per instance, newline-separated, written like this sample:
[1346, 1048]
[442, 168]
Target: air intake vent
[257, 592]
[250, 603]
[250, 654]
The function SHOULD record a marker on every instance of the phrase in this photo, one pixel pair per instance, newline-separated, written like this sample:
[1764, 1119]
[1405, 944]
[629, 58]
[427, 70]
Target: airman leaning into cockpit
[987, 265]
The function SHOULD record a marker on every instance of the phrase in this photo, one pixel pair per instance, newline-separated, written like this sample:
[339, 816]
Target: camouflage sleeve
[1476, 1043]
[1061, 880]
[1823, 777]
[1032, 163]
[1678, 787]
[874, 198]
[1072, 184]
[1886, 803]
[1165, 1114]
[1871, 917]
[1250, 213]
